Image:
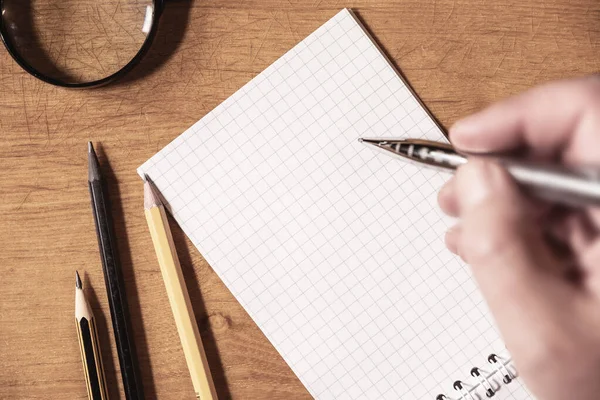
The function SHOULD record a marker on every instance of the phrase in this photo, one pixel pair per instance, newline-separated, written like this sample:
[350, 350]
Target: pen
[551, 182]
[115, 287]
[87, 333]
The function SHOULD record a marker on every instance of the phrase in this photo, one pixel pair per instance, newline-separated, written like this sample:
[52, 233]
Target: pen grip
[556, 184]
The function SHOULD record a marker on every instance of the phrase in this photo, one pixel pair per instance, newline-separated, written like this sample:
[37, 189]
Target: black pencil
[115, 287]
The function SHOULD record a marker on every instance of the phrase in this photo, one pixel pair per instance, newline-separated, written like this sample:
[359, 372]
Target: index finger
[557, 119]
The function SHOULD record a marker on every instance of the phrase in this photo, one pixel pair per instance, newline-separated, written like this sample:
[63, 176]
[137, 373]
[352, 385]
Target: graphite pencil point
[78, 284]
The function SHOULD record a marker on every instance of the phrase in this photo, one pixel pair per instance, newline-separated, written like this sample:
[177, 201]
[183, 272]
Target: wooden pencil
[177, 293]
[113, 278]
[87, 333]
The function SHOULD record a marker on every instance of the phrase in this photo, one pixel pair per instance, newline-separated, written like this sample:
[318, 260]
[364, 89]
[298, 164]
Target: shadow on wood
[208, 338]
[172, 27]
[26, 40]
[365, 26]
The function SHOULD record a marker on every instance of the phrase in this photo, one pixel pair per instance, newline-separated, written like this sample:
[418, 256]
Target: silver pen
[551, 182]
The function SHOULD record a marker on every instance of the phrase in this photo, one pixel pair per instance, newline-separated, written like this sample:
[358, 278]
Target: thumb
[504, 245]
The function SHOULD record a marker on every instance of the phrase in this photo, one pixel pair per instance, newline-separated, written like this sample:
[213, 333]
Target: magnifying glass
[78, 43]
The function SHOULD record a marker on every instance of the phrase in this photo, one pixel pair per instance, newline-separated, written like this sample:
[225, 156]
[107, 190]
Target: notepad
[335, 251]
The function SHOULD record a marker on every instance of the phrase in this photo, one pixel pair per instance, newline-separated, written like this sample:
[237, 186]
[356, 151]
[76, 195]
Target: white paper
[335, 251]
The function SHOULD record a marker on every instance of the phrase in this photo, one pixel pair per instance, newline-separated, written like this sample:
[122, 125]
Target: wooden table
[458, 55]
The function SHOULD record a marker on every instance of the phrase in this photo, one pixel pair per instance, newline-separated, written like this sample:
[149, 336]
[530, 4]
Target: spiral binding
[483, 380]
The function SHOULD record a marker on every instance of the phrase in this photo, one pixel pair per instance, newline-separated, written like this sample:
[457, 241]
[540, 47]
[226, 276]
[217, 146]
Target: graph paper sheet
[335, 251]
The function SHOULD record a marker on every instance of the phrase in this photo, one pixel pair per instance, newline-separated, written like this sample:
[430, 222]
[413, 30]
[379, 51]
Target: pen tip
[78, 284]
[369, 140]
[360, 140]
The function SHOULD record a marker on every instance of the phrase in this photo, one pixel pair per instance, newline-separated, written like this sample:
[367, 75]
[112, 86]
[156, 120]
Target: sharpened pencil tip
[78, 284]
[93, 167]
[151, 198]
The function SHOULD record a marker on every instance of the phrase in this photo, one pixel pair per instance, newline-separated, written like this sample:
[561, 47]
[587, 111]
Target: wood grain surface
[458, 55]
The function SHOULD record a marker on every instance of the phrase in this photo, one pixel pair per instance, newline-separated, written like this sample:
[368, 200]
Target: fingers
[499, 238]
[559, 117]
[452, 238]
[572, 227]
[449, 205]
[447, 198]
[589, 261]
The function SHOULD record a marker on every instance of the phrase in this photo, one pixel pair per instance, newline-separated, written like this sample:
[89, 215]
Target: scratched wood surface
[459, 55]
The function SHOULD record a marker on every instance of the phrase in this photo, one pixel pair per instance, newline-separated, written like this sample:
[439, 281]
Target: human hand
[545, 300]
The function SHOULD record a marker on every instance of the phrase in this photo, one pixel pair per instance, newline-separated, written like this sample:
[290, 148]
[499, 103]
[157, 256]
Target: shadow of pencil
[171, 30]
[208, 338]
[133, 301]
[110, 371]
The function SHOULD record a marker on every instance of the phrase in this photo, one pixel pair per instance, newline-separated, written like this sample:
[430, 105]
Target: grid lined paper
[335, 251]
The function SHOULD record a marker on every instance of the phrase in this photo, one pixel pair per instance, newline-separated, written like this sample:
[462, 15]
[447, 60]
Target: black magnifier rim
[12, 50]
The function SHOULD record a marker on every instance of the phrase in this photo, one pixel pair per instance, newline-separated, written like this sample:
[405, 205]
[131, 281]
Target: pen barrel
[571, 186]
[556, 184]
[92, 359]
[181, 306]
[115, 289]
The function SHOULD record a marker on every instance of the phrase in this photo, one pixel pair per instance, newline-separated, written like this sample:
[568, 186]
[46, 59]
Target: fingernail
[451, 239]
[463, 126]
[463, 134]
[447, 198]
[481, 178]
